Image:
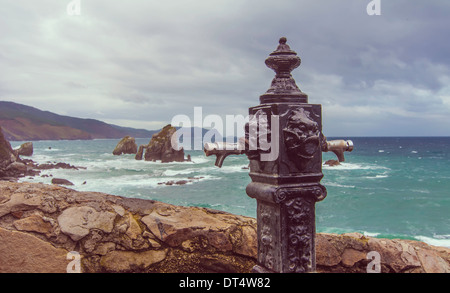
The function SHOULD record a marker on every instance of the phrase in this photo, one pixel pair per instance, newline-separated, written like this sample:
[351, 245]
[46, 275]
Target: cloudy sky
[140, 63]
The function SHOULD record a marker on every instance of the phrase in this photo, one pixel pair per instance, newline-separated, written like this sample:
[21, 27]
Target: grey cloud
[151, 60]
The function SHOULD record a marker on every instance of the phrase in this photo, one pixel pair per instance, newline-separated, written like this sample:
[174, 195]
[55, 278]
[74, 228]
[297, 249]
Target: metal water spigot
[338, 147]
[222, 150]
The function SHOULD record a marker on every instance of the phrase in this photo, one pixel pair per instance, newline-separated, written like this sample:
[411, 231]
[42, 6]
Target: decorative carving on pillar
[266, 242]
[258, 132]
[317, 192]
[300, 216]
[283, 87]
[302, 137]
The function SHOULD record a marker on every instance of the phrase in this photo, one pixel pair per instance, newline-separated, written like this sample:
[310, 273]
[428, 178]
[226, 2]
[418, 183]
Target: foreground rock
[116, 234]
[61, 181]
[348, 253]
[40, 224]
[126, 145]
[160, 147]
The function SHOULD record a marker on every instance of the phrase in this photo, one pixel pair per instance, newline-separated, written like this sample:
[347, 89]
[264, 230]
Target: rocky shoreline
[13, 166]
[40, 224]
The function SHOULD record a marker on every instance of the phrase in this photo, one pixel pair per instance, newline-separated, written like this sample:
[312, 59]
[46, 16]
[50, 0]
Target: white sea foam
[370, 234]
[51, 150]
[354, 166]
[119, 183]
[172, 173]
[130, 182]
[377, 176]
[421, 191]
[381, 176]
[233, 169]
[200, 159]
[437, 240]
[334, 184]
[42, 158]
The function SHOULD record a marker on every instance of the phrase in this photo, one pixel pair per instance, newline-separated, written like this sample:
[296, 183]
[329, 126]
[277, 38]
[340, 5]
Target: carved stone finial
[283, 48]
[283, 88]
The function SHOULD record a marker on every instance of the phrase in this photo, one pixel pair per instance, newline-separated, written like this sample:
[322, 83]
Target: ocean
[388, 187]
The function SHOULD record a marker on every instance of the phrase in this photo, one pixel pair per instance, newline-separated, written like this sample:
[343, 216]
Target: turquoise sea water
[388, 187]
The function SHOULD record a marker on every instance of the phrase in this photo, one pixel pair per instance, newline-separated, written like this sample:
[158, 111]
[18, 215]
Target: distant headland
[24, 123]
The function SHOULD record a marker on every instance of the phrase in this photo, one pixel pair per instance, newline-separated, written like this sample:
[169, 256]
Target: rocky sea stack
[126, 145]
[162, 148]
[11, 166]
[26, 149]
[7, 155]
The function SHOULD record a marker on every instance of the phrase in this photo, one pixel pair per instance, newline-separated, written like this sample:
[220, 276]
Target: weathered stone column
[287, 188]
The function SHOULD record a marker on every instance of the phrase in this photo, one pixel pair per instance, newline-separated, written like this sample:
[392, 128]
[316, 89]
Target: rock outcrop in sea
[12, 167]
[140, 151]
[126, 145]
[26, 149]
[7, 155]
[161, 148]
[41, 224]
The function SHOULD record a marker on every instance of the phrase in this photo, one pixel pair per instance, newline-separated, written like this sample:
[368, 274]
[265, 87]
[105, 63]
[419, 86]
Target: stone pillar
[287, 186]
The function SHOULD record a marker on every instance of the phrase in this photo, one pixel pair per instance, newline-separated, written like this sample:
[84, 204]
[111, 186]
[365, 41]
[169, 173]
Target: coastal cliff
[41, 224]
